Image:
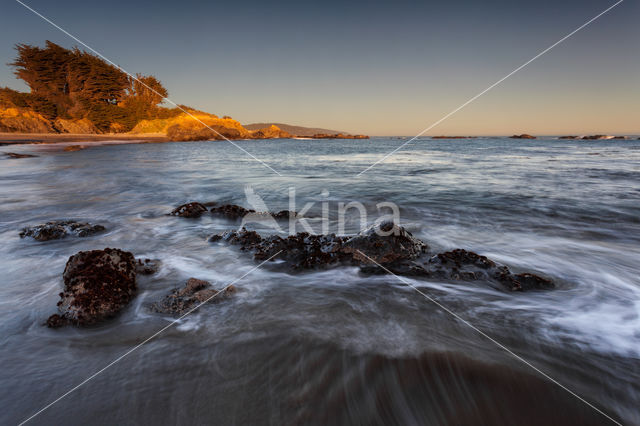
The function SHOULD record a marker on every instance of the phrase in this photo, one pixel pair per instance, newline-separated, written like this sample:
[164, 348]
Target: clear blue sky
[378, 68]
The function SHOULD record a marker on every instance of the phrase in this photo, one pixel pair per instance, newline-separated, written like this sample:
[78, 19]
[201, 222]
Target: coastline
[51, 138]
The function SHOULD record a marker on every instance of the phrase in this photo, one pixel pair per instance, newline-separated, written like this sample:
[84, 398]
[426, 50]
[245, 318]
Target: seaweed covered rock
[383, 243]
[189, 210]
[383, 248]
[192, 294]
[97, 285]
[60, 229]
[234, 212]
[231, 211]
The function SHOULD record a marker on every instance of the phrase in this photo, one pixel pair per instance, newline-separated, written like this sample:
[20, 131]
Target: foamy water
[569, 210]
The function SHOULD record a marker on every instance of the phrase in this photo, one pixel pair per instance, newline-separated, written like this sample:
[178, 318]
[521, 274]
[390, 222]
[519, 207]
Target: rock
[271, 132]
[383, 248]
[234, 212]
[597, 137]
[195, 292]
[522, 136]
[231, 211]
[385, 242]
[147, 266]
[338, 136]
[531, 281]
[56, 321]
[569, 137]
[189, 210]
[16, 156]
[60, 229]
[97, 285]
[73, 148]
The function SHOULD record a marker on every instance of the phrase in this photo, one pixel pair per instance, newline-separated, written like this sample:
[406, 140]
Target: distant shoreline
[48, 138]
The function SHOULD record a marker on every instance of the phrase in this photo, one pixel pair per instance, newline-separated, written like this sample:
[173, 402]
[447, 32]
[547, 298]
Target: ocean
[332, 346]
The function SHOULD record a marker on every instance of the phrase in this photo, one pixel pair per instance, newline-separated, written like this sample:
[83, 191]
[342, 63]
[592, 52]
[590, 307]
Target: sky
[380, 68]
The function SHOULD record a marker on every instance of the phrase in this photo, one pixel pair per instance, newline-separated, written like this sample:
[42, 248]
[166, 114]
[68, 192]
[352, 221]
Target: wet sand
[47, 138]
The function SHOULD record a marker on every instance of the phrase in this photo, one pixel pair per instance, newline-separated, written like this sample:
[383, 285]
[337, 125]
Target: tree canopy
[75, 84]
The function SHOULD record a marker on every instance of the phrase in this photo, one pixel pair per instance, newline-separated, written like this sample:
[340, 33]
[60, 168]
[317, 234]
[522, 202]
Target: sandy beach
[48, 138]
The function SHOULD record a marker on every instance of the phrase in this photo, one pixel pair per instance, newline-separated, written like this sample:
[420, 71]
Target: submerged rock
[97, 285]
[193, 293]
[381, 249]
[189, 210]
[234, 212]
[147, 266]
[60, 229]
[231, 211]
[16, 156]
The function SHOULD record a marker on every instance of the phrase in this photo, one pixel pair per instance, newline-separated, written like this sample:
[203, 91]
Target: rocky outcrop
[83, 126]
[189, 210]
[17, 156]
[194, 293]
[383, 243]
[338, 136]
[522, 136]
[271, 132]
[229, 211]
[383, 248]
[23, 120]
[597, 137]
[569, 137]
[60, 229]
[98, 284]
[234, 212]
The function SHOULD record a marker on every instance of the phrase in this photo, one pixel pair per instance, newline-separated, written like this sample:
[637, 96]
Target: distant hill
[294, 130]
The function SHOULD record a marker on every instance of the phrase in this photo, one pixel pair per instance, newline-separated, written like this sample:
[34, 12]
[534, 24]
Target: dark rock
[147, 266]
[97, 285]
[531, 281]
[193, 293]
[285, 214]
[56, 321]
[338, 136]
[60, 229]
[596, 137]
[569, 137]
[234, 212]
[231, 211]
[522, 136]
[381, 249]
[190, 210]
[385, 242]
[14, 155]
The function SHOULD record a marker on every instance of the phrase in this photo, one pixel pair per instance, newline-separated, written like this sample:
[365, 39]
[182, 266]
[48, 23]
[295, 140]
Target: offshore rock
[147, 266]
[381, 249]
[189, 210]
[234, 212]
[522, 136]
[16, 156]
[60, 229]
[383, 243]
[97, 285]
[192, 294]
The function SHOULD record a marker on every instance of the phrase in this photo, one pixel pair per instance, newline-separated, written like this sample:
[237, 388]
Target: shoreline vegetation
[81, 97]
